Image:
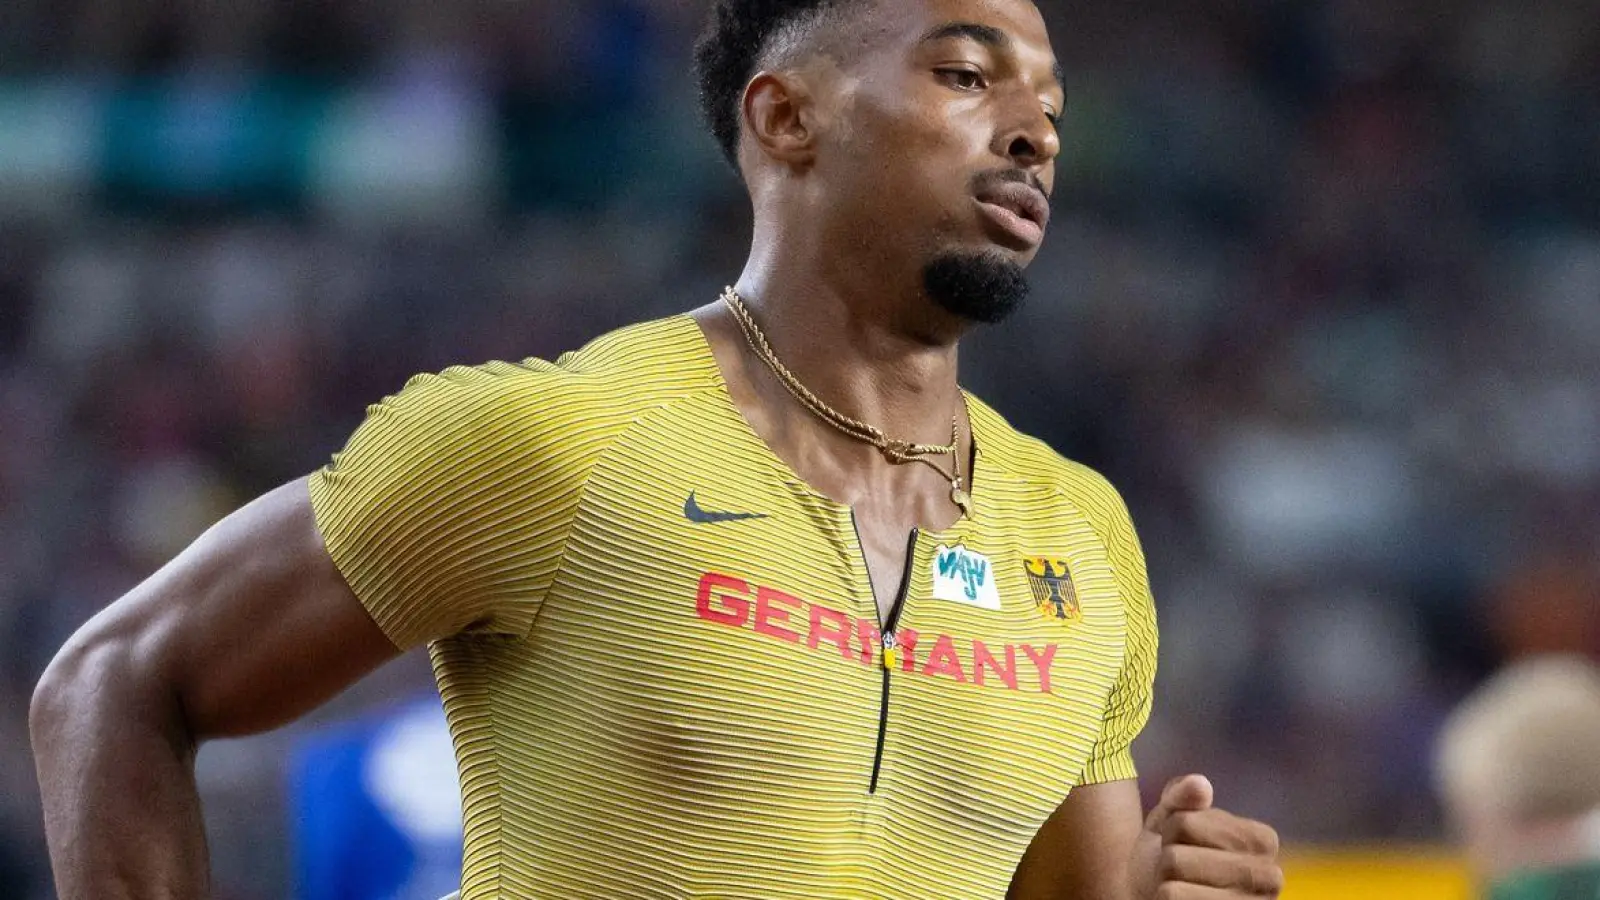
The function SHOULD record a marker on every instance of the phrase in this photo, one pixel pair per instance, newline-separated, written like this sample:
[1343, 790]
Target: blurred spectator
[1519, 768]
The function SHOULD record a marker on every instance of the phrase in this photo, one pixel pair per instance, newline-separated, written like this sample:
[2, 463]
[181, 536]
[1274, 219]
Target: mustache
[1003, 176]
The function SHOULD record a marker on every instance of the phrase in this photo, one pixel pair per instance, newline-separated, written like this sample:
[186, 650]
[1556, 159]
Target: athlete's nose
[1033, 146]
[1028, 139]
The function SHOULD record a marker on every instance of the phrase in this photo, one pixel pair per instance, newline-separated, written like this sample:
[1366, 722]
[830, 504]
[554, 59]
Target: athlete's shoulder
[618, 373]
[450, 506]
[1026, 458]
[538, 411]
[667, 356]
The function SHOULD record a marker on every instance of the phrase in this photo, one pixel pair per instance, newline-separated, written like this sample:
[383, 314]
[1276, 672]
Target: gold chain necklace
[894, 451]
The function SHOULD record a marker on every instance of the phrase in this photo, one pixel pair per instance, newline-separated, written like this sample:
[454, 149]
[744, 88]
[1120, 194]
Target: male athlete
[736, 604]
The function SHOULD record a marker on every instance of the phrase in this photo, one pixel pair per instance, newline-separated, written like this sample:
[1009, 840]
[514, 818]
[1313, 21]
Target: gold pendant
[961, 499]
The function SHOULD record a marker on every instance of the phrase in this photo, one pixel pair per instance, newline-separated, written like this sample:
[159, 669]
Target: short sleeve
[448, 510]
[1128, 707]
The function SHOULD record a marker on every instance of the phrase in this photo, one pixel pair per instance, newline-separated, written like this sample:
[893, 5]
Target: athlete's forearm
[116, 774]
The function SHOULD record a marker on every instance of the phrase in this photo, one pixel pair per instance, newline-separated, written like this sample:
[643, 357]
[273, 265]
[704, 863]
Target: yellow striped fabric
[660, 655]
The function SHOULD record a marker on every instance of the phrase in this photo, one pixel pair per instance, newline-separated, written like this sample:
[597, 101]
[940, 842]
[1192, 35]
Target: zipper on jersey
[888, 651]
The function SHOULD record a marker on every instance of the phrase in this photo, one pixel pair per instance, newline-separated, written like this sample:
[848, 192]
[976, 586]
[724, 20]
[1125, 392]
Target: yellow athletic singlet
[660, 655]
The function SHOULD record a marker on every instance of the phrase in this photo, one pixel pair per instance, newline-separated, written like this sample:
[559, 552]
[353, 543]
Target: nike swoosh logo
[693, 512]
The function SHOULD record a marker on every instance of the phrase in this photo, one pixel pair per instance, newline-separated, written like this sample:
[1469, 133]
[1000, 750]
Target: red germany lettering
[982, 659]
[772, 614]
[735, 603]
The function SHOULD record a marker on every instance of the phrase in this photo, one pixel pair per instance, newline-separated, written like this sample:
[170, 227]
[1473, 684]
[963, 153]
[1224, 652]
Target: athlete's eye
[963, 79]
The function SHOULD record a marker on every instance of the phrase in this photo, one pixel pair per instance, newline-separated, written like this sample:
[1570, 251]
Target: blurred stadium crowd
[1323, 299]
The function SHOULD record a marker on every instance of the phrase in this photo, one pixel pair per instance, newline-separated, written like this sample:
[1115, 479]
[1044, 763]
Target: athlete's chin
[983, 286]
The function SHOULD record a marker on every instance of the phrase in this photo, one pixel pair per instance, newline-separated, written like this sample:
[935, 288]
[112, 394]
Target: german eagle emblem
[1051, 583]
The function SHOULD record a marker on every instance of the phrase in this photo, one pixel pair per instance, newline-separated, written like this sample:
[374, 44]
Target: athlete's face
[946, 132]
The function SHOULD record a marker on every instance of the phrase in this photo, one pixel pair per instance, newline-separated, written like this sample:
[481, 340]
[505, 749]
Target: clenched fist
[1191, 850]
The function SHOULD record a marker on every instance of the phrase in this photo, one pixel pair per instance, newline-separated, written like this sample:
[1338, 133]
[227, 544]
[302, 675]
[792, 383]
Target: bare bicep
[252, 625]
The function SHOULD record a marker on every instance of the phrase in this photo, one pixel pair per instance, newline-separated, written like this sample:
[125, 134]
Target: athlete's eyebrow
[987, 35]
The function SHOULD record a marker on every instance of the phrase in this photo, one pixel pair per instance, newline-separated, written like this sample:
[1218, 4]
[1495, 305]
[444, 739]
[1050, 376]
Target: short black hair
[736, 35]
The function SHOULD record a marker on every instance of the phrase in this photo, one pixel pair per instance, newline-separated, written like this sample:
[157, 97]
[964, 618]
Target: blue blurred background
[1322, 298]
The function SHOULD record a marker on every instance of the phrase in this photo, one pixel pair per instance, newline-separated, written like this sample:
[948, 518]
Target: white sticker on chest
[964, 576]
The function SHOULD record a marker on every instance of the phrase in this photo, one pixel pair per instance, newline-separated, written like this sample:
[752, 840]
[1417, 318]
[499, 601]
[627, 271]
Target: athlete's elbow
[47, 706]
[50, 710]
[69, 683]
[98, 676]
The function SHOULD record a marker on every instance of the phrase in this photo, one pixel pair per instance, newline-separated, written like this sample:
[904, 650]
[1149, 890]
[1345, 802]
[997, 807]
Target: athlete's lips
[1021, 211]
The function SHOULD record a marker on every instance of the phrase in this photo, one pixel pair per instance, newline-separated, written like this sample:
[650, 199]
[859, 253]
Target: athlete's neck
[868, 343]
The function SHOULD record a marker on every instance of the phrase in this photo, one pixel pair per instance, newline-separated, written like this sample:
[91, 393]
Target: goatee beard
[983, 286]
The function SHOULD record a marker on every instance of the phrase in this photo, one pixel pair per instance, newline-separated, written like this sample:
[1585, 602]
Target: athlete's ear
[780, 112]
